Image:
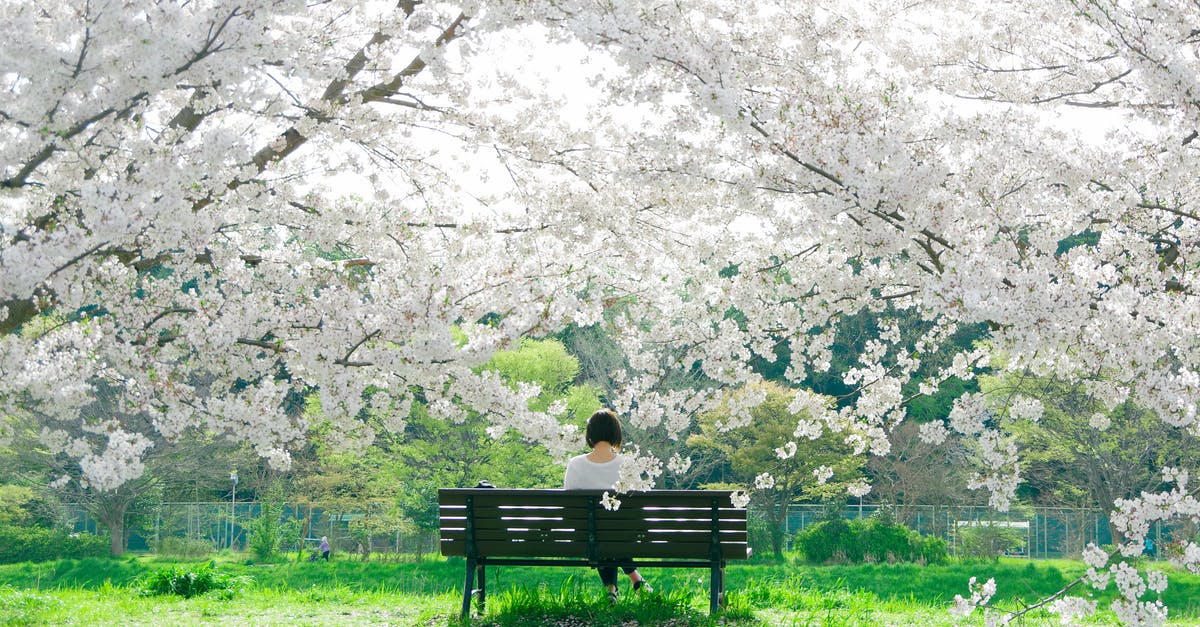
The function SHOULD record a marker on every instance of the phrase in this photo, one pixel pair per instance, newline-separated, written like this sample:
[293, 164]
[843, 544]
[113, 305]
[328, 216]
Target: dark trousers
[608, 574]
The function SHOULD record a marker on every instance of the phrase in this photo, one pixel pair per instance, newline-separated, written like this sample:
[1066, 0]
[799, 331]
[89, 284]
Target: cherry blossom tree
[217, 207]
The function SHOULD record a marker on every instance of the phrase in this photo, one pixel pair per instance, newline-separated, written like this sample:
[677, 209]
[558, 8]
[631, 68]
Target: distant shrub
[989, 542]
[38, 544]
[189, 581]
[182, 547]
[869, 540]
[822, 541]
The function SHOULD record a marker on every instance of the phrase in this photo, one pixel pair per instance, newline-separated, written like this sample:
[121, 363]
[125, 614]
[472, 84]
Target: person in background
[599, 470]
[324, 548]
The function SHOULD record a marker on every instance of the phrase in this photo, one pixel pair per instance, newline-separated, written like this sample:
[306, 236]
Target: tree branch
[288, 142]
[345, 360]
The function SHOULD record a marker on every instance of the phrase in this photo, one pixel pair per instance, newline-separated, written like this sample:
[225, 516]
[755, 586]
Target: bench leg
[714, 583]
[468, 586]
[721, 589]
[482, 588]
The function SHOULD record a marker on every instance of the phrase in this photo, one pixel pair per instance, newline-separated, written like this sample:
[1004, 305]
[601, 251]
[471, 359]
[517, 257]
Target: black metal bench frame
[659, 528]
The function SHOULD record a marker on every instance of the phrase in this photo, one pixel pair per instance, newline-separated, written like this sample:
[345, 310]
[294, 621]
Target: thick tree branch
[1172, 210]
[21, 178]
[893, 218]
[291, 139]
[275, 347]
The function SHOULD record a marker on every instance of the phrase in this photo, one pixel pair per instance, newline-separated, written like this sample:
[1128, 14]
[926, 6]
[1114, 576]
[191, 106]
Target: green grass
[106, 591]
[573, 604]
[122, 606]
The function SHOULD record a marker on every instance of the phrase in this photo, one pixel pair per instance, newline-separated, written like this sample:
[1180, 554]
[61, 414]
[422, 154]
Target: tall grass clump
[266, 531]
[191, 581]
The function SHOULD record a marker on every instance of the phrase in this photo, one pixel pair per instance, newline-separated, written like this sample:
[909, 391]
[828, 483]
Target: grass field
[106, 592]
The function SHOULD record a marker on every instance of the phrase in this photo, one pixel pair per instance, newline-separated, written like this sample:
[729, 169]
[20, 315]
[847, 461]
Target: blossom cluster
[981, 593]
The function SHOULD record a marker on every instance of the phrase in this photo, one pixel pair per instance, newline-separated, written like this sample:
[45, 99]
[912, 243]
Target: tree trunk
[114, 520]
[776, 513]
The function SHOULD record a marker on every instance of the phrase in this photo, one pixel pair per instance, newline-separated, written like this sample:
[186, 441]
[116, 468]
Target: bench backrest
[482, 522]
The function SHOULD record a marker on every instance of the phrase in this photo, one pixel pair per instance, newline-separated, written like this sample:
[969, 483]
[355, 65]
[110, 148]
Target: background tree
[799, 468]
[407, 468]
[915, 472]
[1079, 454]
[188, 466]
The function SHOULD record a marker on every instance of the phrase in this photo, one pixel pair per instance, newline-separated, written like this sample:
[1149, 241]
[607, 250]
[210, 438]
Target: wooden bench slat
[607, 535]
[487, 511]
[496, 548]
[581, 509]
[505, 497]
[459, 511]
[579, 498]
[622, 525]
[530, 524]
[580, 535]
[573, 535]
[681, 525]
[607, 550]
[666, 549]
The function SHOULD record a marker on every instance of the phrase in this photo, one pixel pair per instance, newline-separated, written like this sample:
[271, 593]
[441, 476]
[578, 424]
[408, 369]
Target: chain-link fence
[1043, 532]
[203, 527]
[197, 527]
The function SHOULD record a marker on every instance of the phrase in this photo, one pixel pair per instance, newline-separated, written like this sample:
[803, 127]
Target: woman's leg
[608, 577]
[636, 578]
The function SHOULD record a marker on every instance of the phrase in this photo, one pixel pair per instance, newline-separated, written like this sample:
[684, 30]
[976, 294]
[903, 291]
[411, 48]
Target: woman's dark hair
[604, 426]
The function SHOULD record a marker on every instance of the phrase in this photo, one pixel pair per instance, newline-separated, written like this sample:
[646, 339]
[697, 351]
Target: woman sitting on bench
[599, 470]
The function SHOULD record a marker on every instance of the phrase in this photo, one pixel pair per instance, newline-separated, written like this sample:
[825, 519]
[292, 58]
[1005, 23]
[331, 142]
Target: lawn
[106, 592]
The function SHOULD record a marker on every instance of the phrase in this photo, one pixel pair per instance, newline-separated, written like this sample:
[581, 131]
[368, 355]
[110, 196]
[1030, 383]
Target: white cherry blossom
[216, 211]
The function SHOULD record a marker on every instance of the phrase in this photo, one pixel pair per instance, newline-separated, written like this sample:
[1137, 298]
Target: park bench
[659, 528]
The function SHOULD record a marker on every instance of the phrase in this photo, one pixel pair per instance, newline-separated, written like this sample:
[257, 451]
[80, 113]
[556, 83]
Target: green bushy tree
[266, 530]
[737, 456]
